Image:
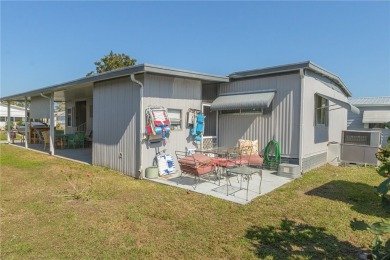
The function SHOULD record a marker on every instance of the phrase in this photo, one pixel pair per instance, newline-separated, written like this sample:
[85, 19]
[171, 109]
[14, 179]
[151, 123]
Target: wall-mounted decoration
[195, 120]
[157, 123]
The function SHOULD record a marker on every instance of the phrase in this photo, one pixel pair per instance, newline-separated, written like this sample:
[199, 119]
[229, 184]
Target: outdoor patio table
[246, 172]
[218, 153]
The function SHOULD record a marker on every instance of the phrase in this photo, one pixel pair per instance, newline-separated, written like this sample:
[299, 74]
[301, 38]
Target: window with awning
[376, 116]
[341, 103]
[246, 101]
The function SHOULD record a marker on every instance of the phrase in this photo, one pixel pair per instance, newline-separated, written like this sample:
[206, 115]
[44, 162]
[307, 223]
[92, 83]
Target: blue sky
[45, 43]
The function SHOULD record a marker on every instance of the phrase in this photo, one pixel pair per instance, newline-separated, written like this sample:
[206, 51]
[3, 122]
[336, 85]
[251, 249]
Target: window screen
[175, 118]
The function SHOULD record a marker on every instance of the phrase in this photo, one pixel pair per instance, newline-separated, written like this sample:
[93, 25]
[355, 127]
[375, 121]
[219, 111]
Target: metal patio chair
[77, 140]
[45, 138]
[197, 165]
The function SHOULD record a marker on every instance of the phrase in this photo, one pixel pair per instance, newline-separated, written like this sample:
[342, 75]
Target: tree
[15, 103]
[112, 61]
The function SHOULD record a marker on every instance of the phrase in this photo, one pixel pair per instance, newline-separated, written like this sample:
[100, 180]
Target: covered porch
[81, 155]
[75, 100]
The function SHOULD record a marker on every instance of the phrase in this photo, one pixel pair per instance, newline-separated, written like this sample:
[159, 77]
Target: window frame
[256, 111]
[376, 125]
[69, 117]
[321, 111]
[174, 124]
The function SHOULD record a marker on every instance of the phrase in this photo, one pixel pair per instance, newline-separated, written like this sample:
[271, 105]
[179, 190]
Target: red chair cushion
[224, 162]
[253, 159]
[196, 158]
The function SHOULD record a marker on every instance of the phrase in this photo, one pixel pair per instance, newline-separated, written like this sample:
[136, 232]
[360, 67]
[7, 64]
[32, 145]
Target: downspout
[302, 74]
[51, 121]
[141, 126]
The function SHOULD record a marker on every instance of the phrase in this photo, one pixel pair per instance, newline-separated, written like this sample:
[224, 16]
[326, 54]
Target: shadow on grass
[361, 196]
[292, 240]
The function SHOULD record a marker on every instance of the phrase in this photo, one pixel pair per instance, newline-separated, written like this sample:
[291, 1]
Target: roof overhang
[341, 103]
[289, 68]
[137, 69]
[243, 101]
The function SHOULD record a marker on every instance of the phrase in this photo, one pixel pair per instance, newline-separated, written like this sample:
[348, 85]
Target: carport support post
[52, 123]
[25, 124]
[9, 122]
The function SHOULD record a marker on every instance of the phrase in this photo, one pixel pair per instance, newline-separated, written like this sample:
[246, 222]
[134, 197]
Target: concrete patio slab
[212, 186]
[218, 189]
[83, 155]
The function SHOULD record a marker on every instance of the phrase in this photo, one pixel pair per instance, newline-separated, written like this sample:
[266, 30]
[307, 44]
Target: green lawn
[3, 135]
[120, 217]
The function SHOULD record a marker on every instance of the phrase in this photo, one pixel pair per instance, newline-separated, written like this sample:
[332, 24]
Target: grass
[3, 135]
[121, 217]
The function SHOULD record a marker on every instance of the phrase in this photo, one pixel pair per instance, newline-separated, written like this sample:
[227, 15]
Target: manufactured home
[301, 106]
[375, 112]
[16, 114]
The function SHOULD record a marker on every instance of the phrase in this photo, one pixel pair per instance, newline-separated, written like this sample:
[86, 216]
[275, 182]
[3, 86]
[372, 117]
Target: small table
[223, 151]
[246, 172]
[63, 138]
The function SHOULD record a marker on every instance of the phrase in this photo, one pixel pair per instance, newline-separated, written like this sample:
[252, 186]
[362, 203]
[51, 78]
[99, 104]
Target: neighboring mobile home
[375, 111]
[16, 114]
[302, 106]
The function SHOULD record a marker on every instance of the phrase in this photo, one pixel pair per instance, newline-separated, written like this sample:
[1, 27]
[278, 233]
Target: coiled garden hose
[272, 163]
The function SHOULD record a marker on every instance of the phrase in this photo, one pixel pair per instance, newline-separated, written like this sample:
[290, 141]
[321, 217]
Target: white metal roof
[291, 68]
[370, 101]
[136, 69]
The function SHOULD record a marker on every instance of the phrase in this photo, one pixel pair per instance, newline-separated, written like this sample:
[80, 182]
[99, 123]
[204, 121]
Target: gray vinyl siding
[355, 122]
[209, 92]
[115, 125]
[326, 81]
[175, 93]
[317, 137]
[282, 121]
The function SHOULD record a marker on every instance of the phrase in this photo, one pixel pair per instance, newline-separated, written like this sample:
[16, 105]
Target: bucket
[151, 172]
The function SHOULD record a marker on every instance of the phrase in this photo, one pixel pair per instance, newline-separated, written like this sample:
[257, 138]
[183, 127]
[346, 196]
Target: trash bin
[151, 172]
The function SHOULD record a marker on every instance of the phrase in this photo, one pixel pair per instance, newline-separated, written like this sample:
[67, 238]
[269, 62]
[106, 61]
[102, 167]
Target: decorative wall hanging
[157, 123]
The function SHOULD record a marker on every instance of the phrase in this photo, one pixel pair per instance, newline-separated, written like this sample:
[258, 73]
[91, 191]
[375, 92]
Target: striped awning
[376, 116]
[341, 103]
[243, 101]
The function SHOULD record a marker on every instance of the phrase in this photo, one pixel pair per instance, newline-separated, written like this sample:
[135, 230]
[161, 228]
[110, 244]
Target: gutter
[302, 74]
[141, 127]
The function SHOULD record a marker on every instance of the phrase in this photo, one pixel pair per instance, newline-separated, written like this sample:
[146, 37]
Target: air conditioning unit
[360, 146]
[289, 170]
[370, 138]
